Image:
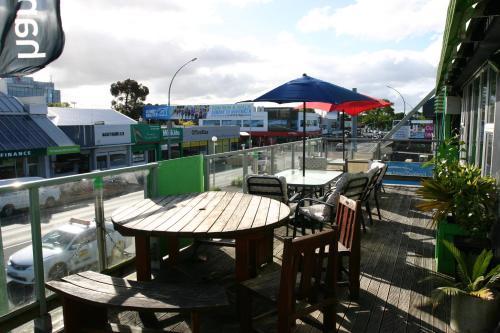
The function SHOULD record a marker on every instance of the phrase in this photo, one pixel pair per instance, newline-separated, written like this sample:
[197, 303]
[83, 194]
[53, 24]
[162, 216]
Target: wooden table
[314, 179]
[246, 218]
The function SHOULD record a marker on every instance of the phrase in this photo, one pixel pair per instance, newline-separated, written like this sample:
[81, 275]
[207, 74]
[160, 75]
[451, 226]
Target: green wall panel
[181, 175]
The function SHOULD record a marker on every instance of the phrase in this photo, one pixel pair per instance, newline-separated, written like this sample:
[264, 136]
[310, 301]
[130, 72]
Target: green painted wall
[181, 175]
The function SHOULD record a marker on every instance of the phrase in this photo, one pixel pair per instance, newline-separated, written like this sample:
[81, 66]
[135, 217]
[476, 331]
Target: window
[139, 157]
[492, 95]
[102, 162]
[231, 122]
[117, 159]
[255, 123]
[210, 122]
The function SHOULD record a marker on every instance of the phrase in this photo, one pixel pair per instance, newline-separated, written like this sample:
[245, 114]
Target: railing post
[378, 151]
[293, 156]
[43, 323]
[151, 185]
[207, 172]
[99, 222]
[273, 159]
[4, 301]
[244, 164]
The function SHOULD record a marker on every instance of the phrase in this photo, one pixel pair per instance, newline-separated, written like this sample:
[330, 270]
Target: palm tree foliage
[475, 279]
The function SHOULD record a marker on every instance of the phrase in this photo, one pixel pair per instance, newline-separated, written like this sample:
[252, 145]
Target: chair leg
[377, 204]
[362, 221]
[354, 271]
[369, 211]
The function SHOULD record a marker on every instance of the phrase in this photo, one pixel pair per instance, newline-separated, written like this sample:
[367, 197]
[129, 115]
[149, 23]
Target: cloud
[375, 20]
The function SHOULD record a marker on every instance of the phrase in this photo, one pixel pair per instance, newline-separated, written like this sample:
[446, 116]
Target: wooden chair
[356, 189]
[300, 288]
[349, 245]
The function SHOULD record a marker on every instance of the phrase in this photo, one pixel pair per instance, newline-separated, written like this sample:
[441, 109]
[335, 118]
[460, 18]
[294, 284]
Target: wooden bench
[87, 295]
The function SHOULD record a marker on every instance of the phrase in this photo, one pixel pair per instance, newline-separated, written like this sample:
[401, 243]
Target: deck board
[396, 254]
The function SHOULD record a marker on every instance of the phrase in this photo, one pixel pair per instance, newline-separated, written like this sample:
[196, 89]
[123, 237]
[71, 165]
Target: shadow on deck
[397, 253]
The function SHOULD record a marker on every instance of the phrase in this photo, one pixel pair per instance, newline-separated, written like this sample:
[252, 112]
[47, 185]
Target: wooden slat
[274, 212]
[247, 219]
[168, 209]
[235, 219]
[198, 213]
[165, 224]
[203, 214]
[262, 211]
[215, 214]
[224, 218]
[142, 207]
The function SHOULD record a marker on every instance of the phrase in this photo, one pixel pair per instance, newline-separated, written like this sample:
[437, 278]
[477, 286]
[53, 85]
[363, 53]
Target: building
[28, 140]
[468, 83]
[104, 136]
[30, 91]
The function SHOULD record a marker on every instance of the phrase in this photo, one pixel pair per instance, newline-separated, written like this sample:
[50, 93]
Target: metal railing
[39, 309]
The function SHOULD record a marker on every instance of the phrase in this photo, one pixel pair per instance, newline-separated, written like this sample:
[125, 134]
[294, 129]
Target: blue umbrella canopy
[308, 89]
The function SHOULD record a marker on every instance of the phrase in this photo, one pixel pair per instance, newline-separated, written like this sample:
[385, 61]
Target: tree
[59, 105]
[129, 97]
[380, 118]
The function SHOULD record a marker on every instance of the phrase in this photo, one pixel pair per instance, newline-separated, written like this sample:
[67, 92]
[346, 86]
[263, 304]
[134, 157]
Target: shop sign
[63, 150]
[174, 134]
[229, 110]
[112, 134]
[157, 112]
[20, 153]
[205, 133]
[143, 133]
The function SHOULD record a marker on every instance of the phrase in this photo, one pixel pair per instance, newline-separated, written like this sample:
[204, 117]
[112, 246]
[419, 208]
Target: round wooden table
[246, 218]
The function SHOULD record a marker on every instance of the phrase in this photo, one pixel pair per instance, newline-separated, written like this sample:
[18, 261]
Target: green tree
[380, 118]
[129, 97]
[59, 105]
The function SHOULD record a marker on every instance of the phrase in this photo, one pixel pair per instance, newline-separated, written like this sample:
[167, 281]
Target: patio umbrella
[308, 89]
[352, 108]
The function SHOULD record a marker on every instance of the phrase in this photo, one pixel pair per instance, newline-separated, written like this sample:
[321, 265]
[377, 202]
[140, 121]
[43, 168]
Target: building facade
[468, 82]
[26, 88]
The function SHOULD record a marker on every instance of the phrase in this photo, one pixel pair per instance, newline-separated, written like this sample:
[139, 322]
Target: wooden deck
[397, 253]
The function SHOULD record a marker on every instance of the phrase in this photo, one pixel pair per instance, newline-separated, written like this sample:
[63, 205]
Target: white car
[12, 201]
[70, 248]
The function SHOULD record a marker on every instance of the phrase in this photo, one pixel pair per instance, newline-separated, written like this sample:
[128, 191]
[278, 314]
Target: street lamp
[214, 141]
[169, 124]
[404, 102]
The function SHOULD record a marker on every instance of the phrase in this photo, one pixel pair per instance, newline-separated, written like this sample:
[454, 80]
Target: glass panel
[489, 154]
[102, 162]
[474, 119]
[492, 95]
[118, 159]
[120, 190]
[482, 115]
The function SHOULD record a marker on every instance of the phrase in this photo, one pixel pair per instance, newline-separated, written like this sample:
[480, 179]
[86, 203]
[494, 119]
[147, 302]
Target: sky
[246, 47]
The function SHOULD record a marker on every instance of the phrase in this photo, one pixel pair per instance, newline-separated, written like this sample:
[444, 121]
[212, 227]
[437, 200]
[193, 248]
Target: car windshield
[57, 238]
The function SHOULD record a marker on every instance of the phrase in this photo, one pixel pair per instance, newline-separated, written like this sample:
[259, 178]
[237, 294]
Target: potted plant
[475, 303]
[462, 201]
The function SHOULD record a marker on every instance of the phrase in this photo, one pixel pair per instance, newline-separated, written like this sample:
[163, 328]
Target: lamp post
[404, 102]
[214, 141]
[169, 124]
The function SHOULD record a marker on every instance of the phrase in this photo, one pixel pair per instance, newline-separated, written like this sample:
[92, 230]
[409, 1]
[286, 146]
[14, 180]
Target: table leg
[172, 248]
[246, 257]
[142, 258]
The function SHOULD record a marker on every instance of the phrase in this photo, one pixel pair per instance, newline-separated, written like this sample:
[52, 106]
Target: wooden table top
[313, 177]
[208, 214]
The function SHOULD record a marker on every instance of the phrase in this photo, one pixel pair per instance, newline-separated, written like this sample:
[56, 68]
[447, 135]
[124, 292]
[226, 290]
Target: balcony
[397, 251]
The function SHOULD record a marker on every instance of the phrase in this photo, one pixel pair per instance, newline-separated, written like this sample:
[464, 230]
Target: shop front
[210, 139]
[146, 141]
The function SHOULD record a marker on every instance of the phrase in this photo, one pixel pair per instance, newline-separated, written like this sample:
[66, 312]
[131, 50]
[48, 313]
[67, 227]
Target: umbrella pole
[304, 142]
[343, 141]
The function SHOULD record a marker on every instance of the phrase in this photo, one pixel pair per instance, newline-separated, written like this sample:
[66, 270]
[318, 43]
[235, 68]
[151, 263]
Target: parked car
[69, 248]
[12, 201]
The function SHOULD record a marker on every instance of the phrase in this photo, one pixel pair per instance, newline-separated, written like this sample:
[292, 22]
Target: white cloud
[379, 20]
[129, 41]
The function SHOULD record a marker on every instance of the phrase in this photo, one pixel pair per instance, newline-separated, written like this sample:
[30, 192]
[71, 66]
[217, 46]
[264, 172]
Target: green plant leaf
[484, 293]
[481, 264]
[462, 266]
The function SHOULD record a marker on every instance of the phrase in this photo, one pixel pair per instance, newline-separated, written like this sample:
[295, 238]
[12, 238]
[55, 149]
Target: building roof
[22, 133]
[9, 104]
[74, 117]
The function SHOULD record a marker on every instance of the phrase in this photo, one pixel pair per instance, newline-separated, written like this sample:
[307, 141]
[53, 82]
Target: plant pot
[445, 262]
[474, 315]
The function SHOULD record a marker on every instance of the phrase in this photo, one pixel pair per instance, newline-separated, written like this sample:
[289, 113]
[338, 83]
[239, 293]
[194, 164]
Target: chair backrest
[347, 220]
[315, 163]
[268, 186]
[303, 276]
[381, 175]
[372, 183]
[355, 187]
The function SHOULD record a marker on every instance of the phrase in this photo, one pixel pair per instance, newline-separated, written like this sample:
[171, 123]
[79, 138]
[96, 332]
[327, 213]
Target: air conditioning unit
[453, 105]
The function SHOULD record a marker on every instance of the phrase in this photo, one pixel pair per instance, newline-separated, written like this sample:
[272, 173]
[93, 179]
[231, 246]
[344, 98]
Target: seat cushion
[333, 197]
[315, 212]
